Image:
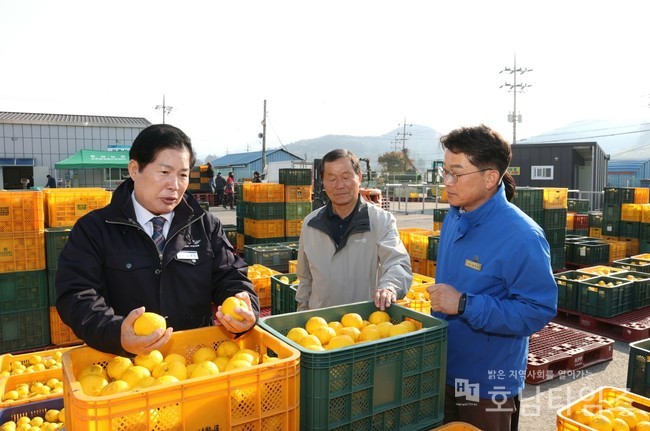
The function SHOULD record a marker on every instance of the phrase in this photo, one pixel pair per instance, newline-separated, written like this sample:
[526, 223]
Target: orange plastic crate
[263, 192]
[418, 265]
[7, 359]
[264, 228]
[21, 211]
[22, 251]
[431, 268]
[419, 243]
[405, 235]
[570, 218]
[422, 306]
[240, 242]
[595, 232]
[9, 383]
[555, 198]
[262, 282]
[592, 401]
[264, 397]
[63, 207]
[631, 212]
[641, 195]
[297, 193]
[617, 249]
[60, 333]
[292, 228]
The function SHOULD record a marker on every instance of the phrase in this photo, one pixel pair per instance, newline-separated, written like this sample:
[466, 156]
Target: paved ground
[540, 402]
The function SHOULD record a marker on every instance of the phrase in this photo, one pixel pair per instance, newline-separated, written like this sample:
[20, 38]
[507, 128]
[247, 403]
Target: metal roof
[246, 158]
[71, 120]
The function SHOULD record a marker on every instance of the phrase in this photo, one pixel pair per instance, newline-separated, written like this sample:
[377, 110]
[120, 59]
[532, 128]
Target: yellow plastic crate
[63, 207]
[592, 400]
[642, 256]
[418, 265]
[9, 383]
[617, 249]
[405, 236]
[260, 275]
[297, 193]
[570, 219]
[264, 397]
[264, 228]
[22, 251]
[595, 232]
[21, 211]
[7, 359]
[60, 333]
[631, 212]
[555, 198]
[422, 306]
[641, 195]
[292, 228]
[431, 268]
[240, 242]
[419, 243]
[263, 192]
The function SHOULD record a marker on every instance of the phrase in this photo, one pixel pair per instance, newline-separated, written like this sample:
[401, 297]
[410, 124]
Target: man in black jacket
[152, 248]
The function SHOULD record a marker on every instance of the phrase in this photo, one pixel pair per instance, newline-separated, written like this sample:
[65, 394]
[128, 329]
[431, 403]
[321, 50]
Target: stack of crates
[199, 180]
[439, 215]
[623, 210]
[577, 216]
[24, 317]
[262, 210]
[297, 198]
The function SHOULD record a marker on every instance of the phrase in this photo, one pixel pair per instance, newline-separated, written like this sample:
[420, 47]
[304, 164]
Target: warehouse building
[32, 144]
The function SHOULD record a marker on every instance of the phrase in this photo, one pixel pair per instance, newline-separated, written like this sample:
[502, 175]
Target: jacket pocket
[128, 262]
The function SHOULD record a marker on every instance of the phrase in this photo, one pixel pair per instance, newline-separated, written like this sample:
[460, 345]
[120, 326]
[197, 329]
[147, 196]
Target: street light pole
[515, 87]
[165, 109]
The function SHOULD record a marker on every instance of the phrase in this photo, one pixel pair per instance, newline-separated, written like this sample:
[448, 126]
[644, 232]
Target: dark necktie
[158, 237]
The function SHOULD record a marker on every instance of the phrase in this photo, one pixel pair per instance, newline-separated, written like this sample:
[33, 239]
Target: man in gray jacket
[350, 249]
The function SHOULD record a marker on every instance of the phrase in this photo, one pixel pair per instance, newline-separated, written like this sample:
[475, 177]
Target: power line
[515, 87]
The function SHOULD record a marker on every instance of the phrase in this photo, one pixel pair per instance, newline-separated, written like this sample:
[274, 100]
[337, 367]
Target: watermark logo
[463, 388]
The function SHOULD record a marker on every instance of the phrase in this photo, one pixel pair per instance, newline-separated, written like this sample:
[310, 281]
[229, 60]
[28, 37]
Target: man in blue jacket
[494, 282]
[152, 248]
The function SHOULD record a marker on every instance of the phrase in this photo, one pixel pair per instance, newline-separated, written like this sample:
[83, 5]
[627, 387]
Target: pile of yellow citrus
[26, 390]
[33, 363]
[53, 420]
[318, 334]
[122, 374]
[613, 415]
[258, 271]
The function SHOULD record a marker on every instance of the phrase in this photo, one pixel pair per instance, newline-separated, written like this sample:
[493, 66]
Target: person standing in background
[494, 281]
[210, 173]
[230, 191]
[256, 177]
[51, 182]
[219, 187]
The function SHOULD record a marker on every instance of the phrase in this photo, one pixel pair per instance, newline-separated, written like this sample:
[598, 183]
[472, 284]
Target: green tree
[396, 161]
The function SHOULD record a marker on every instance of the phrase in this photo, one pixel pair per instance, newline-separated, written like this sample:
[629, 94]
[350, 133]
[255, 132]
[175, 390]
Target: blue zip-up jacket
[500, 258]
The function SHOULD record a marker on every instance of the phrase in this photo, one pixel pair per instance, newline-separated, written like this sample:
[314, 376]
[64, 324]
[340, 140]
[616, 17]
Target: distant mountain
[422, 142]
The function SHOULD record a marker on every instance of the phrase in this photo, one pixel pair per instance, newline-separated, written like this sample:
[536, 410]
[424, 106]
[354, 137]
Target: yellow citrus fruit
[227, 348]
[175, 357]
[641, 415]
[310, 340]
[410, 326]
[251, 358]
[643, 426]
[221, 362]
[296, 334]
[608, 413]
[229, 305]
[398, 329]
[284, 279]
[148, 323]
[148, 360]
[324, 334]
[314, 322]
[174, 368]
[93, 369]
[203, 354]
[340, 341]
[351, 331]
[115, 387]
[144, 382]
[116, 366]
[134, 374]
[619, 424]
[336, 326]
[353, 320]
[384, 329]
[92, 384]
[62, 415]
[163, 380]
[237, 364]
[52, 415]
[378, 316]
[628, 416]
[600, 423]
[205, 368]
[369, 333]
[36, 421]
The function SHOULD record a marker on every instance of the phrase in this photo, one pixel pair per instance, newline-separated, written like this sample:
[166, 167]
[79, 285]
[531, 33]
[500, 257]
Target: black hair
[156, 138]
[337, 154]
[485, 148]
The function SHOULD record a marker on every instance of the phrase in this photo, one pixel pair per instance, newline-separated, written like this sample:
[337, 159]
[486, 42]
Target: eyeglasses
[453, 176]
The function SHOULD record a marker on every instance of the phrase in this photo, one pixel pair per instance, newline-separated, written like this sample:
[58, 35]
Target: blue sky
[325, 67]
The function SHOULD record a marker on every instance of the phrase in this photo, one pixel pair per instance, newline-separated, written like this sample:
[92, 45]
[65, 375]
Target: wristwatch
[461, 303]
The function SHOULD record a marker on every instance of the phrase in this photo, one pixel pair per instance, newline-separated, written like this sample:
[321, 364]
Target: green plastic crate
[629, 229]
[595, 218]
[271, 255]
[263, 211]
[631, 264]
[556, 237]
[23, 330]
[393, 383]
[578, 205]
[439, 214]
[529, 198]
[231, 233]
[554, 219]
[567, 288]
[283, 295]
[295, 177]
[297, 210]
[293, 245]
[638, 368]
[641, 281]
[558, 258]
[432, 249]
[593, 252]
[55, 240]
[25, 290]
[605, 301]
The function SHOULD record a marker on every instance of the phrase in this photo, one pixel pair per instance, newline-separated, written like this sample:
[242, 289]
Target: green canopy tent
[95, 159]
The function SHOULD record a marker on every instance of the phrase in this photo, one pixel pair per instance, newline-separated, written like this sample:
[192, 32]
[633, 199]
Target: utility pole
[165, 109]
[263, 137]
[403, 139]
[515, 87]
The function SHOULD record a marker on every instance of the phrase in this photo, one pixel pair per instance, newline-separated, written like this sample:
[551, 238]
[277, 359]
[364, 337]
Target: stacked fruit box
[262, 397]
[262, 211]
[260, 275]
[417, 298]
[395, 382]
[63, 207]
[297, 198]
[24, 318]
[283, 293]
